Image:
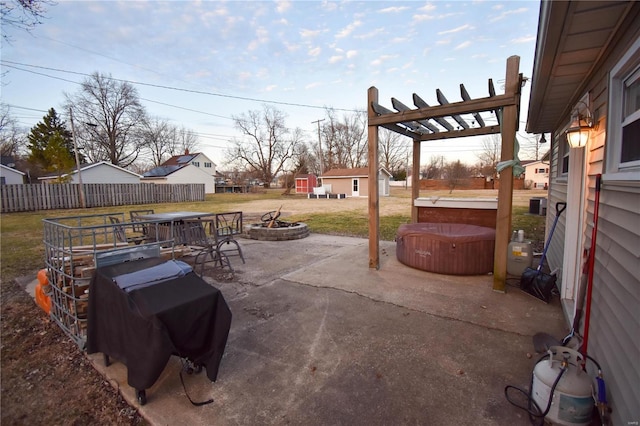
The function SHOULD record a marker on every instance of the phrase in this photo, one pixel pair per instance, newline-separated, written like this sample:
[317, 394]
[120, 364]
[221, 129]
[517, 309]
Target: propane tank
[572, 402]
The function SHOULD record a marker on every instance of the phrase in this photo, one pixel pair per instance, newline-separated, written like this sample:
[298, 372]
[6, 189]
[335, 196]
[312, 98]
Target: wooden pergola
[427, 123]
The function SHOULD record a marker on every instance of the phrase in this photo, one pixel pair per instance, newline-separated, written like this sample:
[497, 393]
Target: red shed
[306, 183]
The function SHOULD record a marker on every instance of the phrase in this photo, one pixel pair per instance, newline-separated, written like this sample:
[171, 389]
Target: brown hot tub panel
[446, 248]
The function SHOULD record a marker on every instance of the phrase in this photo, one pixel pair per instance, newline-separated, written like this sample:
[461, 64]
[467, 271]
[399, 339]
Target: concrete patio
[319, 338]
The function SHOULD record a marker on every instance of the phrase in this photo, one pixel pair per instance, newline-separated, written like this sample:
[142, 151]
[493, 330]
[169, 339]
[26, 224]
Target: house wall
[105, 174]
[192, 174]
[202, 160]
[615, 317]
[539, 179]
[343, 185]
[10, 176]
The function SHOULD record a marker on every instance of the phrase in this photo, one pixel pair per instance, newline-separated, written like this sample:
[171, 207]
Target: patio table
[170, 225]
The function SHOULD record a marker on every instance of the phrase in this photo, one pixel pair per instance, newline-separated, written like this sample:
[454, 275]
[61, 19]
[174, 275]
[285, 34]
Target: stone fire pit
[272, 229]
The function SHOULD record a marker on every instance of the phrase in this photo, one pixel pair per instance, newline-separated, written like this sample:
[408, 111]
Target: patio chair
[135, 217]
[196, 236]
[227, 226]
[121, 234]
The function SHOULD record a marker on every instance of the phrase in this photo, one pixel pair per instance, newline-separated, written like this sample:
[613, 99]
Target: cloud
[422, 17]
[329, 5]
[282, 6]
[315, 51]
[393, 9]
[346, 31]
[270, 87]
[352, 54]
[427, 7]
[370, 34]
[335, 59]
[313, 85]
[291, 47]
[304, 33]
[508, 13]
[463, 45]
[262, 37]
[457, 29]
[523, 39]
[381, 59]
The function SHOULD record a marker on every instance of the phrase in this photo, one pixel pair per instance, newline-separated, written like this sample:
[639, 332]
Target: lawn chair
[228, 225]
[204, 244]
[121, 234]
[135, 217]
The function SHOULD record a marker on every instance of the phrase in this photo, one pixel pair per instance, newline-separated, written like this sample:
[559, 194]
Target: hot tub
[446, 248]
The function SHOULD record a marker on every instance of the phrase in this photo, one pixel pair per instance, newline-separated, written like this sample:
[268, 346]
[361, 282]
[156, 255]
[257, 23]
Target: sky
[198, 64]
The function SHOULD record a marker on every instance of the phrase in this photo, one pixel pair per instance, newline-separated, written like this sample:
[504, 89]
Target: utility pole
[83, 203]
[319, 145]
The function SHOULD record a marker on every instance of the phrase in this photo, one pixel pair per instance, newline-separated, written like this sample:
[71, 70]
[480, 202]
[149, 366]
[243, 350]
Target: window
[207, 165]
[623, 132]
[196, 163]
[564, 152]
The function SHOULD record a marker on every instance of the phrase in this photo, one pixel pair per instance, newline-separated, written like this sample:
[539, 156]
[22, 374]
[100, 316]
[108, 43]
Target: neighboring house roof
[573, 40]
[89, 166]
[11, 169]
[183, 159]
[7, 160]
[355, 172]
[163, 171]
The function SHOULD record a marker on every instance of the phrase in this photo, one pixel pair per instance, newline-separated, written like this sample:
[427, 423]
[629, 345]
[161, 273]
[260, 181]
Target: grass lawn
[22, 250]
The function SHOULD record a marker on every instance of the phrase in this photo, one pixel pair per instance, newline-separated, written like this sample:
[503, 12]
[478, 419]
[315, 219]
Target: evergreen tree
[40, 137]
[58, 158]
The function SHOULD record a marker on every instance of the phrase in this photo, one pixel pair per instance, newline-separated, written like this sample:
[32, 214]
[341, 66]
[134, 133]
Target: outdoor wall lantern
[581, 124]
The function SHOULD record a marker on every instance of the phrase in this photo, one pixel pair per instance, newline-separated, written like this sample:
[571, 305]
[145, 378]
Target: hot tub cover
[446, 248]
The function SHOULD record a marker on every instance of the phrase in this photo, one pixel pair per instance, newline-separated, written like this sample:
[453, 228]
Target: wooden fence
[20, 198]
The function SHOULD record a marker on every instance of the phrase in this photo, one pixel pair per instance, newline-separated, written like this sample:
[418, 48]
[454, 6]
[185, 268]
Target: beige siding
[614, 334]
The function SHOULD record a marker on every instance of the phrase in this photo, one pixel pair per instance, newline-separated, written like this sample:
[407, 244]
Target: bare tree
[394, 151]
[489, 156]
[434, 169]
[110, 118]
[160, 139]
[186, 140]
[22, 14]
[344, 140]
[12, 139]
[455, 173]
[531, 146]
[268, 145]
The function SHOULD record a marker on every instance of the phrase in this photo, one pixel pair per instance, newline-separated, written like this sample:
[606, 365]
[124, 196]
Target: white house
[537, 173]
[586, 82]
[198, 160]
[9, 176]
[185, 173]
[101, 172]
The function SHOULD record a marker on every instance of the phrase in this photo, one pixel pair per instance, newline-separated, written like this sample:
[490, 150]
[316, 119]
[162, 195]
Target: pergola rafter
[426, 123]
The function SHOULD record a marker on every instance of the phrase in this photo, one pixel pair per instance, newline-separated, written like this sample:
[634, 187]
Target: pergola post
[505, 191]
[374, 193]
[415, 180]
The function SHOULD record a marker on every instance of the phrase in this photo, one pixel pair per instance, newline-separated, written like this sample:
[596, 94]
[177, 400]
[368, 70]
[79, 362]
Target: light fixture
[542, 139]
[581, 124]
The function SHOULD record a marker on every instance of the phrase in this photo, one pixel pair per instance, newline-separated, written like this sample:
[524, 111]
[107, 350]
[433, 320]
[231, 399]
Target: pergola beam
[476, 131]
[464, 107]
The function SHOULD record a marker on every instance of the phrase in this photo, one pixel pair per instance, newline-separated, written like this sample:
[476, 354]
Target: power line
[199, 92]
